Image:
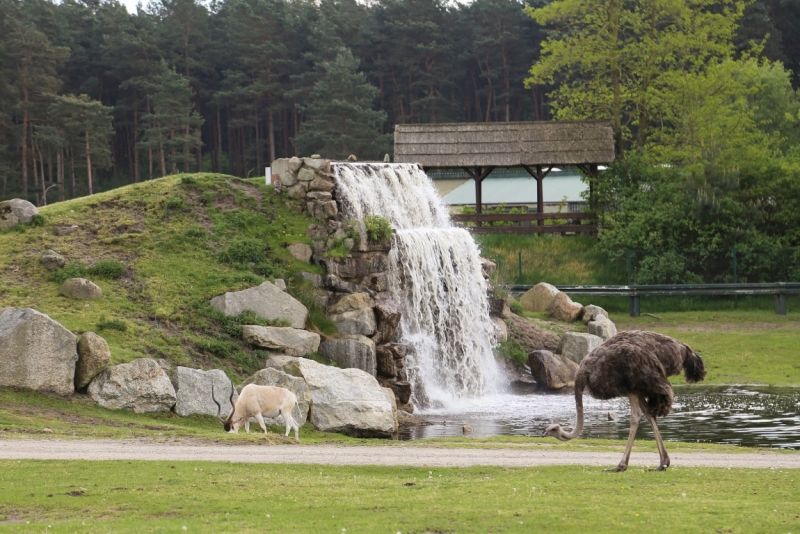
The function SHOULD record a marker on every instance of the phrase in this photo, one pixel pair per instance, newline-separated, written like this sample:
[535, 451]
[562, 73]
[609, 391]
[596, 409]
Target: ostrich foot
[619, 469]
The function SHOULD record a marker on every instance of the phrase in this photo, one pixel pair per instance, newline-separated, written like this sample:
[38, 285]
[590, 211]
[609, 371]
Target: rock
[320, 183]
[298, 190]
[140, 385]
[267, 301]
[318, 195]
[357, 322]
[280, 283]
[360, 265]
[292, 341]
[591, 312]
[500, 329]
[278, 361]
[64, 230]
[334, 283]
[378, 282]
[193, 392]
[552, 371]
[525, 384]
[351, 352]
[322, 209]
[295, 163]
[498, 308]
[466, 429]
[577, 346]
[539, 298]
[388, 315]
[281, 169]
[351, 302]
[487, 268]
[80, 288]
[314, 279]
[405, 418]
[306, 175]
[93, 358]
[400, 389]
[36, 352]
[316, 163]
[602, 327]
[300, 251]
[384, 362]
[276, 378]
[563, 309]
[346, 400]
[16, 211]
[52, 260]
[530, 336]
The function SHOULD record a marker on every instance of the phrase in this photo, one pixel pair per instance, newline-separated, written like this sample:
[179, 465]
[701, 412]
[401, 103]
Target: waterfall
[435, 276]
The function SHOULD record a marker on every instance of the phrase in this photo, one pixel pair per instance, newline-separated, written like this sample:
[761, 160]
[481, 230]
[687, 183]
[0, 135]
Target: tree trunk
[137, 167]
[60, 174]
[72, 170]
[44, 184]
[185, 150]
[219, 142]
[25, 145]
[271, 136]
[89, 164]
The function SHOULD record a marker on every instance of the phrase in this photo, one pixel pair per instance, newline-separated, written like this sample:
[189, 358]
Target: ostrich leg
[636, 416]
[662, 451]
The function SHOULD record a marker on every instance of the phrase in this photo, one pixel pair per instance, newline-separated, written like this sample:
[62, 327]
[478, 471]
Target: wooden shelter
[479, 148]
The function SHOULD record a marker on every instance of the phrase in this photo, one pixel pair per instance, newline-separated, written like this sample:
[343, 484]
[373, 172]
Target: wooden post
[478, 199]
[539, 175]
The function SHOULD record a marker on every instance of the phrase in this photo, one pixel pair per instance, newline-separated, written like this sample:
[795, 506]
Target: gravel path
[358, 455]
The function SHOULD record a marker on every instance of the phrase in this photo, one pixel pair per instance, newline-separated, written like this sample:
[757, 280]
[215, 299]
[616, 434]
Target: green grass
[160, 250]
[137, 497]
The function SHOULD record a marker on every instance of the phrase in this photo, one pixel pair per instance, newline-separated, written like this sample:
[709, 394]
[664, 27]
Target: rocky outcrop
[36, 352]
[267, 301]
[602, 327]
[500, 329]
[141, 386]
[530, 336]
[93, 358]
[391, 360]
[351, 352]
[16, 211]
[388, 315]
[300, 251]
[52, 260]
[344, 400]
[552, 371]
[563, 309]
[576, 346]
[288, 340]
[80, 288]
[539, 298]
[277, 378]
[591, 313]
[356, 322]
[193, 390]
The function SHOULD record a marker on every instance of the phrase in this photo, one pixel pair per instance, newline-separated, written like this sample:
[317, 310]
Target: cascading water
[435, 275]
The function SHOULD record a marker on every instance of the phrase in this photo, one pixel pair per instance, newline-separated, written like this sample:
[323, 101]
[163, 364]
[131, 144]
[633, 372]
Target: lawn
[113, 496]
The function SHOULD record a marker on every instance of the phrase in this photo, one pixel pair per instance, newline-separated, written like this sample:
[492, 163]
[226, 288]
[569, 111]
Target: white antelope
[259, 402]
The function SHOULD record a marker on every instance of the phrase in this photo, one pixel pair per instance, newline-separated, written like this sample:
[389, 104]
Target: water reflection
[738, 415]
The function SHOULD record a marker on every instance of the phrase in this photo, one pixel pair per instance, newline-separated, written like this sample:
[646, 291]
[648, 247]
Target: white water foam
[435, 275]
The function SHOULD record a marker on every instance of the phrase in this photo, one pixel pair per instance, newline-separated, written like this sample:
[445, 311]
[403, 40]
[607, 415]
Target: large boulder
[388, 315]
[356, 322]
[602, 327]
[576, 346]
[346, 400]
[300, 251]
[193, 392]
[267, 301]
[591, 313]
[391, 359]
[93, 358]
[539, 298]
[353, 351]
[141, 385]
[289, 340]
[16, 211]
[552, 371]
[36, 352]
[80, 288]
[563, 309]
[351, 302]
[277, 378]
[401, 389]
[52, 260]
[488, 267]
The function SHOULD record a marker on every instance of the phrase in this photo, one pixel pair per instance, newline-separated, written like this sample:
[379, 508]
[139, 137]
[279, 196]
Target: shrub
[243, 251]
[71, 270]
[175, 203]
[378, 228]
[208, 197]
[511, 350]
[38, 220]
[109, 269]
[196, 232]
[215, 347]
[188, 180]
[113, 324]
[516, 307]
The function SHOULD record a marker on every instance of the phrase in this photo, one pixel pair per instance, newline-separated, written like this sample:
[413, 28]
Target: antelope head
[226, 423]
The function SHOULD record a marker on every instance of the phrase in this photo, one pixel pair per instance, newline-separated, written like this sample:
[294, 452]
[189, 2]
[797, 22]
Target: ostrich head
[555, 431]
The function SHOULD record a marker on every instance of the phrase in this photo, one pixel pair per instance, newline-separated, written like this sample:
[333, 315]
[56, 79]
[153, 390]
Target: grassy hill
[160, 250]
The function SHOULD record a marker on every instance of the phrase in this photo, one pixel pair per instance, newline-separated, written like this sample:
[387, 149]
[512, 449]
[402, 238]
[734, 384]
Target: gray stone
[280, 168]
[280, 283]
[351, 302]
[401, 389]
[378, 282]
[64, 230]
[314, 279]
[193, 392]
[322, 209]
[552, 371]
[93, 358]
[306, 175]
[351, 352]
[295, 163]
[384, 362]
[321, 183]
[576, 346]
[346, 400]
[563, 309]
[358, 266]
[298, 190]
[267, 301]
[16, 211]
[334, 283]
[292, 341]
[315, 163]
[602, 327]
[500, 329]
[52, 260]
[591, 312]
[276, 378]
[80, 288]
[141, 385]
[539, 298]
[318, 195]
[360, 322]
[36, 352]
[388, 315]
[488, 268]
[300, 251]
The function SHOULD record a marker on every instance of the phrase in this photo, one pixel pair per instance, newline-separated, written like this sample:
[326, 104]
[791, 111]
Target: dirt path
[357, 455]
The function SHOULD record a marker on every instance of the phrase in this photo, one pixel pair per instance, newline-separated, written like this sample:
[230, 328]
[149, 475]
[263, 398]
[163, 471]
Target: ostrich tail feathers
[659, 404]
[693, 368]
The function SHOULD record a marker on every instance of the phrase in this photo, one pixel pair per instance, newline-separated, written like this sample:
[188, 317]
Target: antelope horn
[219, 408]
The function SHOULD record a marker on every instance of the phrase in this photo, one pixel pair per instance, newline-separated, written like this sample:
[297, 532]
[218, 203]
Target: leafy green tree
[341, 120]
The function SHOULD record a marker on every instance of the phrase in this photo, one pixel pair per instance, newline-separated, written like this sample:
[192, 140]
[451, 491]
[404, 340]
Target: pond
[733, 415]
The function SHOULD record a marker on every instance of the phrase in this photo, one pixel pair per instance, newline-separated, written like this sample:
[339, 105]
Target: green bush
[196, 232]
[511, 350]
[176, 203]
[188, 180]
[243, 251]
[38, 220]
[113, 324]
[516, 307]
[108, 269]
[378, 228]
[208, 197]
[216, 347]
[71, 270]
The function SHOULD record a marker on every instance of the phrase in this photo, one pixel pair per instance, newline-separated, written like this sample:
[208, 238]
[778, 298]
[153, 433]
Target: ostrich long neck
[575, 432]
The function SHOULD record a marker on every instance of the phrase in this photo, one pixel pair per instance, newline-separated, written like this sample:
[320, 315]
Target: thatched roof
[504, 144]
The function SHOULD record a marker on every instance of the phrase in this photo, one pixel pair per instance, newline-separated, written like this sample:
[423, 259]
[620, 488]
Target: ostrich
[636, 365]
